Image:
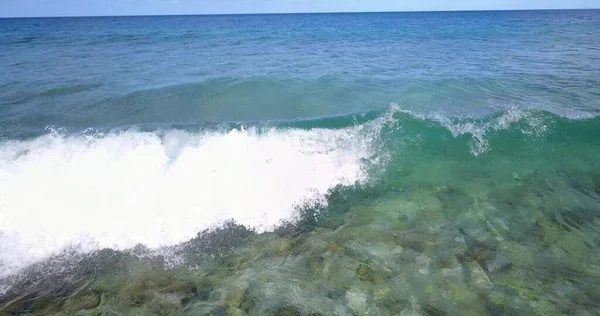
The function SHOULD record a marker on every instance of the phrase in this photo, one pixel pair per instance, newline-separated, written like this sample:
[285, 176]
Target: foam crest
[159, 189]
[480, 128]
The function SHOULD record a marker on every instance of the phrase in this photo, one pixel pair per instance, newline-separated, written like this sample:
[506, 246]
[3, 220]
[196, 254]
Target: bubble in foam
[158, 189]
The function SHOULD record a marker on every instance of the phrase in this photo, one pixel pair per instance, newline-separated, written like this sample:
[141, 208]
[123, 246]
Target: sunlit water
[333, 164]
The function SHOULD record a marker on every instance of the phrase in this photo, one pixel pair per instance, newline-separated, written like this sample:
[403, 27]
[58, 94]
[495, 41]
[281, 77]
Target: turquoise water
[309, 164]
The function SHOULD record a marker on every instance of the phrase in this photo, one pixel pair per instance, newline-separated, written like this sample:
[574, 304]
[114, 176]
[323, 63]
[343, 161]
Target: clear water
[380, 163]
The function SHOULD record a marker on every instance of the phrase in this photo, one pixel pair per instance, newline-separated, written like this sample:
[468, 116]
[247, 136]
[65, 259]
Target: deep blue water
[111, 71]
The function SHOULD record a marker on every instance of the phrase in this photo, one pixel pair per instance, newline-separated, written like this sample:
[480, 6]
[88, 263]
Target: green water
[503, 219]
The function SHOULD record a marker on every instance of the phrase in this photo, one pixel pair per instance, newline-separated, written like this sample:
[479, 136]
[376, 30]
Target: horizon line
[290, 13]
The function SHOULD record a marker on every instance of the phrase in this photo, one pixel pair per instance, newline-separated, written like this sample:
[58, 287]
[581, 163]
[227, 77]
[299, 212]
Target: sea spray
[117, 190]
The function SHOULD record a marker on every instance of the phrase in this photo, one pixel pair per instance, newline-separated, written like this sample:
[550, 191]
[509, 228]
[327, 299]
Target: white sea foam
[478, 130]
[121, 189]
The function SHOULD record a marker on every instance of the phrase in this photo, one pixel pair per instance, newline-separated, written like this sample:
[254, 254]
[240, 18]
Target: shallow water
[352, 164]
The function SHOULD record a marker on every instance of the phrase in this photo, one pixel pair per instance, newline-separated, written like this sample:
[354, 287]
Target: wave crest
[116, 190]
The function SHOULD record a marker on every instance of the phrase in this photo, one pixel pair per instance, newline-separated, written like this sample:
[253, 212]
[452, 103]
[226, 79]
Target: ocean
[423, 163]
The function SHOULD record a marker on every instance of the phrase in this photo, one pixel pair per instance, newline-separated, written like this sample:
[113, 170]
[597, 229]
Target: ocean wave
[532, 123]
[160, 186]
[118, 189]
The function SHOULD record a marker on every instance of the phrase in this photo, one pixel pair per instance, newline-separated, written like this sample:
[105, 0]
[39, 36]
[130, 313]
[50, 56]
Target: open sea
[440, 163]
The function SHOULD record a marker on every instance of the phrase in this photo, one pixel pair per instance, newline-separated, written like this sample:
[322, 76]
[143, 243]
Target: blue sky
[135, 7]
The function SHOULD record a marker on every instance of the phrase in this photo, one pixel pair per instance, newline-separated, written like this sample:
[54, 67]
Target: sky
[19, 8]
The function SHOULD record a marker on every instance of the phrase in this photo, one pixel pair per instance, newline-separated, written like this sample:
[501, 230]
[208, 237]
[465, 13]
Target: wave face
[117, 189]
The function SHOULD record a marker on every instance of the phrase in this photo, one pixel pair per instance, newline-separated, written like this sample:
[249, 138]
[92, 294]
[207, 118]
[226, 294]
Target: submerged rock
[31, 305]
[235, 294]
[83, 302]
[413, 240]
[286, 247]
[365, 273]
[357, 302]
[478, 249]
[498, 263]
[235, 312]
[334, 294]
[430, 310]
[498, 303]
[454, 199]
[477, 277]
[219, 310]
[446, 259]
[288, 311]
[204, 289]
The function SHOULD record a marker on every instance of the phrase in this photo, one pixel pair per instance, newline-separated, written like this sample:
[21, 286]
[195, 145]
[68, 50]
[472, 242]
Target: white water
[118, 190]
